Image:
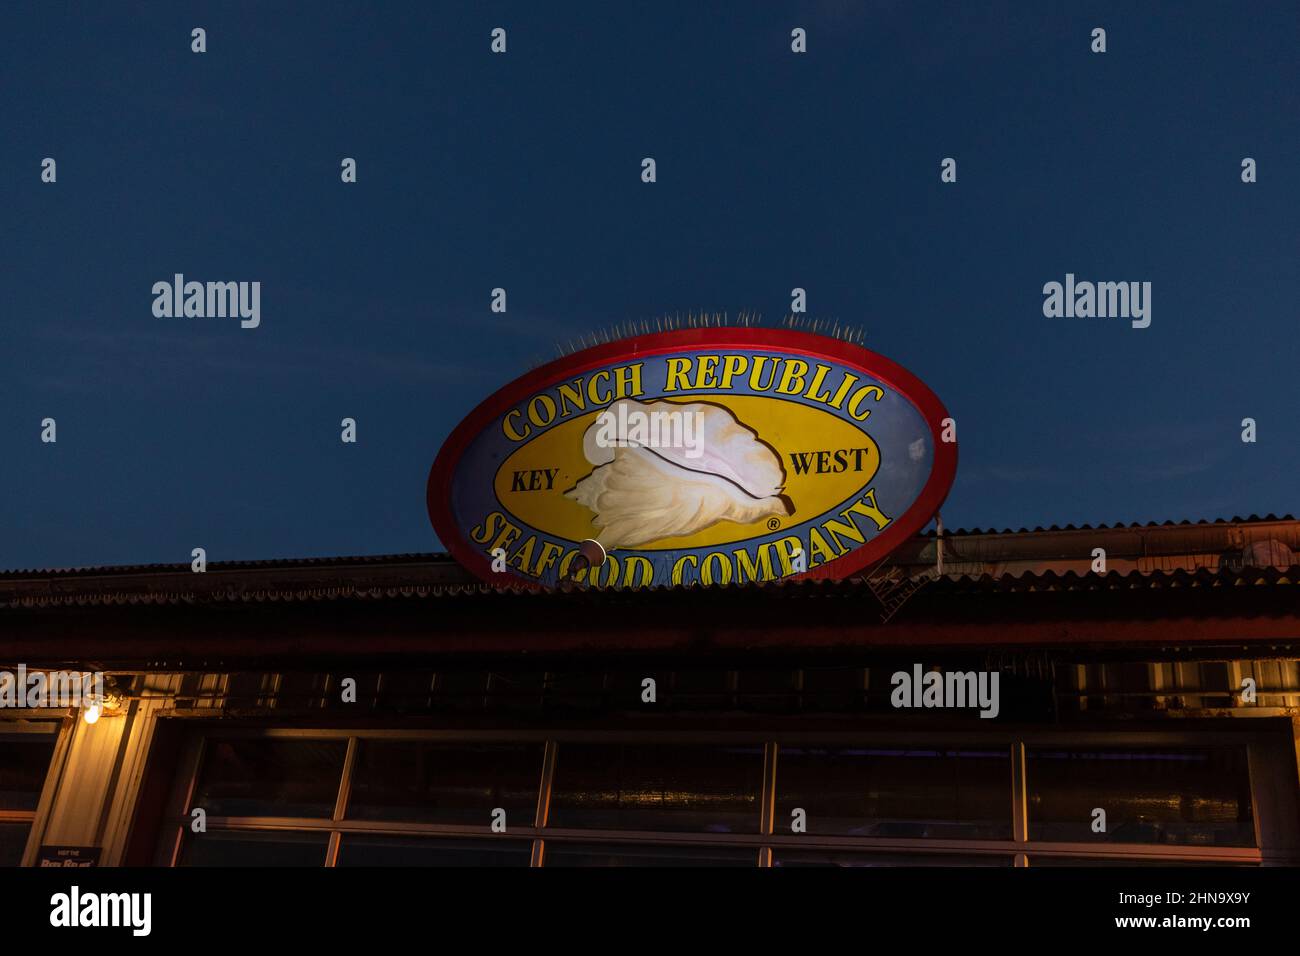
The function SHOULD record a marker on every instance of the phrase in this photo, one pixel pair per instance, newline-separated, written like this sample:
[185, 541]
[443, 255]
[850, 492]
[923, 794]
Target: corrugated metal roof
[1115, 581]
[1118, 526]
[210, 592]
[444, 558]
[429, 557]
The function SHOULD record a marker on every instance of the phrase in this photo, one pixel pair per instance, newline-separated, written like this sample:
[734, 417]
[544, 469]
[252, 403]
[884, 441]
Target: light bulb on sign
[593, 551]
[90, 713]
[591, 555]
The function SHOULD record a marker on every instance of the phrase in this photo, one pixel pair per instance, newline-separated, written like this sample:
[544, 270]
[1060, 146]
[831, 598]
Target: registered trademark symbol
[773, 524]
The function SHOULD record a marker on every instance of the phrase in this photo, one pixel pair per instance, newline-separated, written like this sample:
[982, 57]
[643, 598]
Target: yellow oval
[532, 482]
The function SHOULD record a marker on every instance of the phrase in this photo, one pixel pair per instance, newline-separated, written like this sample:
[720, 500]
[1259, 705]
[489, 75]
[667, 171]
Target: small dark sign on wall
[68, 856]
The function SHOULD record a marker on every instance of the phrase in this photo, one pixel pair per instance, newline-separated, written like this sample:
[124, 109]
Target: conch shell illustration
[641, 493]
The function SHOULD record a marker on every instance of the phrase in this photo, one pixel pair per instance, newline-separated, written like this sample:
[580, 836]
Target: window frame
[765, 839]
[51, 723]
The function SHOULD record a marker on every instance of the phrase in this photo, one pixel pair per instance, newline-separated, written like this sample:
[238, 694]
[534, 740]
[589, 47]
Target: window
[254, 848]
[308, 800]
[1038, 859]
[369, 850]
[13, 841]
[433, 782]
[683, 787]
[270, 778]
[896, 792]
[1167, 795]
[849, 858]
[282, 797]
[26, 750]
[613, 854]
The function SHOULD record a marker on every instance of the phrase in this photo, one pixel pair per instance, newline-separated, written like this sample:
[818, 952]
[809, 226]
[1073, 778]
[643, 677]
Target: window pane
[896, 793]
[357, 850]
[1036, 859]
[785, 857]
[710, 787]
[270, 778]
[430, 782]
[595, 854]
[247, 848]
[1195, 796]
[24, 761]
[13, 840]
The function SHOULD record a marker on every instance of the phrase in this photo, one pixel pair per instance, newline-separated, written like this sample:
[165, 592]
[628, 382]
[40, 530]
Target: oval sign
[696, 456]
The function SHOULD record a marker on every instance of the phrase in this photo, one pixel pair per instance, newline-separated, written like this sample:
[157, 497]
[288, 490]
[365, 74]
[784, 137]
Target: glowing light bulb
[90, 713]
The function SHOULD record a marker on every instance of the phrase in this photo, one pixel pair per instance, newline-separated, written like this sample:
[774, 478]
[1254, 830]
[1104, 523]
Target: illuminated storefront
[398, 710]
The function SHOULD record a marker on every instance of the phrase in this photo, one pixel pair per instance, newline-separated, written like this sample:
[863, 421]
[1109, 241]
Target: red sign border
[787, 341]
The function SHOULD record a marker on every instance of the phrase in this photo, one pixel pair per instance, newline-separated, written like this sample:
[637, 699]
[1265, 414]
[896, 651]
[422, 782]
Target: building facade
[397, 711]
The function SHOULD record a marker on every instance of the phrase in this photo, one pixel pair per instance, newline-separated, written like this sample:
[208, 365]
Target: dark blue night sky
[775, 170]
